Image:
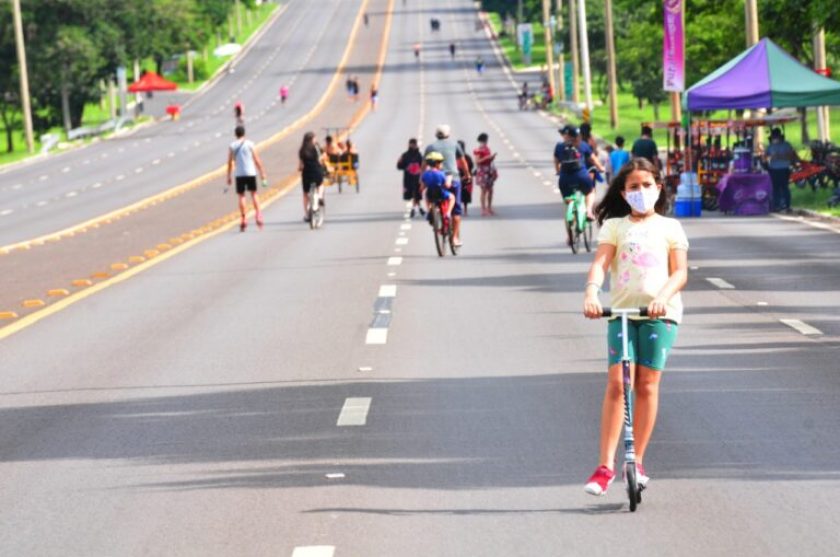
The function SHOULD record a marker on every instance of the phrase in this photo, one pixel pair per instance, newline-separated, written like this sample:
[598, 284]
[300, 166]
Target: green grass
[94, 114]
[807, 198]
[508, 44]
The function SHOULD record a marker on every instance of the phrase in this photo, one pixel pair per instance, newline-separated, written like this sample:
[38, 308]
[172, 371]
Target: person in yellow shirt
[646, 255]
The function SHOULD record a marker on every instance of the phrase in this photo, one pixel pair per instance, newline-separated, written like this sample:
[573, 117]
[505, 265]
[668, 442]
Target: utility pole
[751, 8]
[820, 64]
[561, 73]
[574, 46]
[24, 77]
[584, 54]
[611, 73]
[549, 48]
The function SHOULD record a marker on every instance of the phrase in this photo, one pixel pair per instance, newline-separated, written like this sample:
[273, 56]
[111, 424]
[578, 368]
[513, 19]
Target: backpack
[570, 159]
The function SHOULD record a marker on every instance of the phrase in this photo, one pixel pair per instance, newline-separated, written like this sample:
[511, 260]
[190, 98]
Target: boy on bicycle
[433, 184]
[571, 163]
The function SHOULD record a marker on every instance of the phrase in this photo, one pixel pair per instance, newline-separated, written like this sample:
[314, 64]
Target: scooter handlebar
[608, 312]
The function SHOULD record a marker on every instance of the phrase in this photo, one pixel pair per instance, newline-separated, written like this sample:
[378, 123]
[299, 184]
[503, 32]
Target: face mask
[642, 200]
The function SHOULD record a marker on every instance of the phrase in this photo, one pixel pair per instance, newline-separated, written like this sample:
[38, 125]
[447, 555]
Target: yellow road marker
[82, 282]
[58, 292]
[136, 259]
[119, 266]
[100, 275]
[163, 247]
[8, 315]
[149, 253]
[33, 303]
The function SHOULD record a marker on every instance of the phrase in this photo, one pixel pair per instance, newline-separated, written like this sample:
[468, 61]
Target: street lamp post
[24, 78]
[584, 54]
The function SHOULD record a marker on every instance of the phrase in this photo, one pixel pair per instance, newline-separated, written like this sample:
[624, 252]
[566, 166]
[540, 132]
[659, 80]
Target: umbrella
[228, 49]
[150, 81]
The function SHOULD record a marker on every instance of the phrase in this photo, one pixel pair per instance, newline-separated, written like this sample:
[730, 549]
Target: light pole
[24, 78]
[611, 73]
[549, 49]
[584, 54]
[573, 35]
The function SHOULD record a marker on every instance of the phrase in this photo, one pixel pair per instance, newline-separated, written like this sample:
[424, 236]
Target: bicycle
[442, 228]
[634, 489]
[577, 225]
[316, 207]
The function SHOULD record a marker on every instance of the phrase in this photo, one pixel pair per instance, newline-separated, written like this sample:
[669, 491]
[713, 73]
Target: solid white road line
[314, 551]
[387, 290]
[801, 327]
[394, 261]
[376, 336]
[354, 412]
[720, 283]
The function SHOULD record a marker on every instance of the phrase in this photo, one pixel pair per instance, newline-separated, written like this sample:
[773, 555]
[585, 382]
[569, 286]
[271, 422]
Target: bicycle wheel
[437, 228]
[633, 494]
[575, 234]
[587, 235]
[452, 247]
[358, 185]
[570, 236]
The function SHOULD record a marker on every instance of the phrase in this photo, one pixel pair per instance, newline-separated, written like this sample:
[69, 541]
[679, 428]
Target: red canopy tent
[150, 81]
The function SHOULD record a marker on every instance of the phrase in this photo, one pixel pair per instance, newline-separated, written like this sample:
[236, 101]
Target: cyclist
[452, 153]
[284, 94]
[239, 113]
[244, 154]
[570, 164]
[433, 182]
[311, 167]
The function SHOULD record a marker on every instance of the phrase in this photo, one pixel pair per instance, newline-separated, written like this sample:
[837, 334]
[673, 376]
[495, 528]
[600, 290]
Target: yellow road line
[194, 238]
[183, 188]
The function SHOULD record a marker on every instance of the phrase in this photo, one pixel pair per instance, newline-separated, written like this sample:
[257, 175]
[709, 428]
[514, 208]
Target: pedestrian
[374, 96]
[355, 89]
[645, 147]
[243, 154]
[779, 156]
[284, 94]
[239, 113]
[311, 166]
[619, 157]
[452, 50]
[411, 164]
[348, 85]
[417, 51]
[486, 174]
[451, 152]
[479, 65]
[646, 253]
[466, 171]
[367, 19]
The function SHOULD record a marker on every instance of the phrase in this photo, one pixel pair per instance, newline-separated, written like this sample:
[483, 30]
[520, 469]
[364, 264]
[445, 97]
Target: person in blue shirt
[433, 182]
[572, 160]
[619, 157]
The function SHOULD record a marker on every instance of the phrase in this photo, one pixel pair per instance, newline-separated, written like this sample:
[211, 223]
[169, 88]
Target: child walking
[647, 256]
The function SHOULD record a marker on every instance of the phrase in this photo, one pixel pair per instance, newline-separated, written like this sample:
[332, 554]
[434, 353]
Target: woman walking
[486, 174]
[311, 166]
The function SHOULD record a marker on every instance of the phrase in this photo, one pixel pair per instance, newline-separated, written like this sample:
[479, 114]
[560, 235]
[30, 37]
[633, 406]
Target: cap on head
[443, 131]
[434, 156]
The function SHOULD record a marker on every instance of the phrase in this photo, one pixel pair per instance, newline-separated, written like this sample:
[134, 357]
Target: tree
[9, 77]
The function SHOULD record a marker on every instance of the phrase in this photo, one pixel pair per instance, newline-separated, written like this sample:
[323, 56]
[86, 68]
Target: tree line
[714, 29]
[73, 44]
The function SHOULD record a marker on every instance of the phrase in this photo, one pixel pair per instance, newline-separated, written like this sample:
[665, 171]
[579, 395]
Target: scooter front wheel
[633, 492]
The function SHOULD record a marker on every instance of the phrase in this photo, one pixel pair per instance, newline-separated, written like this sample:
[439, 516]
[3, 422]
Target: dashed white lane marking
[66, 169]
[376, 336]
[5, 212]
[394, 261]
[405, 227]
[41, 203]
[397, 250]
[334, 476]
[42, 178]
[97, 185]
[801, 327]
[548, 183]
[314, 551]
[71, 194]
[401, 241]
[762, 304]
[392, 275]
[17, 186]
[720, 283]
[138, 170]
[156, 161]
[388, 291]
[121, 177]
[814, 224]
[354, 412]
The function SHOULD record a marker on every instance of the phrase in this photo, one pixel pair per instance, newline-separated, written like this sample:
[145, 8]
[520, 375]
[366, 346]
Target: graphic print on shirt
[632, 250]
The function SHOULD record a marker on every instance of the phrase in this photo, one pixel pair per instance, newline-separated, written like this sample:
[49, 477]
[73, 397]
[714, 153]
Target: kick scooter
[634, 490]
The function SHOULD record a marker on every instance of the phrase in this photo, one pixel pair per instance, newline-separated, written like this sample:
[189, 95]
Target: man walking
[243, 153]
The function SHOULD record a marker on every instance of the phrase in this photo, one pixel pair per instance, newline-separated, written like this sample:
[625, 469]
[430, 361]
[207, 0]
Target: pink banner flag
[673, 47]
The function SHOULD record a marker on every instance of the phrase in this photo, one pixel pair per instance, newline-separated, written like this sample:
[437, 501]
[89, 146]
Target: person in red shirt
[486, 174]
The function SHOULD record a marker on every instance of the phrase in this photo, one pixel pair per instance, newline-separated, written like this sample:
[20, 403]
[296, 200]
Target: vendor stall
[762, 77]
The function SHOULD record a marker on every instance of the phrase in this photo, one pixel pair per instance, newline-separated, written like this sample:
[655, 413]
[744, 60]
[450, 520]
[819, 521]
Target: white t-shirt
[639, 269]
[243, 154]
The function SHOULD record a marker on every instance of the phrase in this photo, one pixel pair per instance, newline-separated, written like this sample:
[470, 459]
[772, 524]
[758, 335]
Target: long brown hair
[306, 146]
[613, 205]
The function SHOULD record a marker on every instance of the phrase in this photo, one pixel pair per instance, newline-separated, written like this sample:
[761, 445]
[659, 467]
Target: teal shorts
[649, 342]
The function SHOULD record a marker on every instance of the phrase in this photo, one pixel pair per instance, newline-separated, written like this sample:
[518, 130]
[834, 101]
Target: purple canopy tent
[763, 76]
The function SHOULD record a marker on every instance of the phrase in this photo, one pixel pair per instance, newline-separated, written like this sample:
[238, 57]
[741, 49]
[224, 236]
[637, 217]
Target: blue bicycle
[634, 488]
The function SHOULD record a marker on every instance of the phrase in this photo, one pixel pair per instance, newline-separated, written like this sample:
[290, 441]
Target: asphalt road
[233, 400]
[301, 49]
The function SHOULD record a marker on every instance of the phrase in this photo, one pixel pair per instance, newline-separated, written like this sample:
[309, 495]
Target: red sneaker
[599, 481]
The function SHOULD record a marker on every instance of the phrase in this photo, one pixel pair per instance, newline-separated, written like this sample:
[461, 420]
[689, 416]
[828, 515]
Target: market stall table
[745, 194]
